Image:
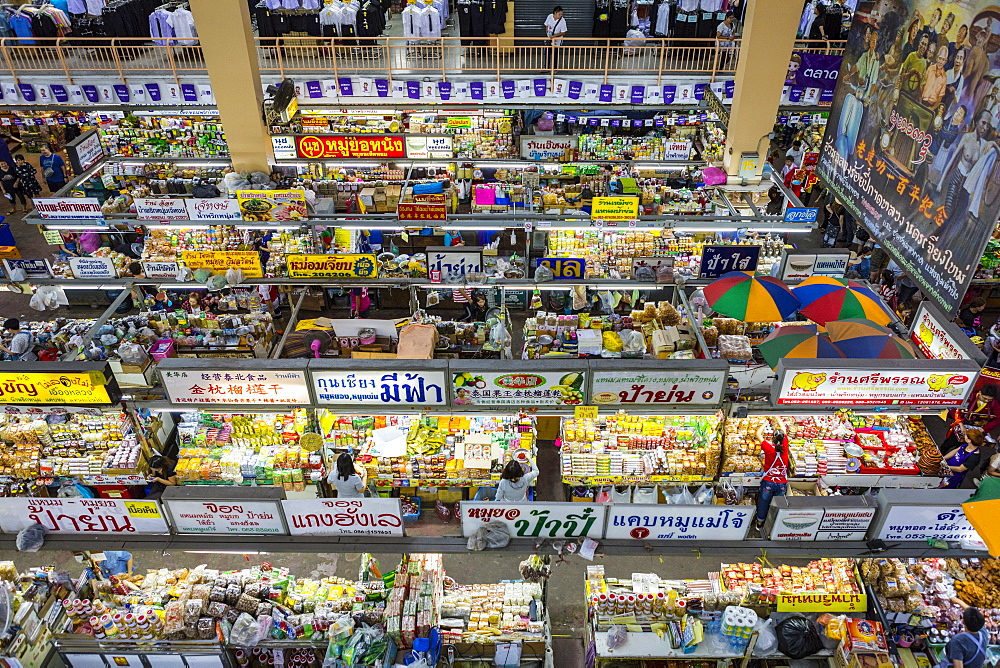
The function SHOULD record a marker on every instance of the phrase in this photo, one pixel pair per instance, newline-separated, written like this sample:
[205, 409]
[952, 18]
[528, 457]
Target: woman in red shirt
[775, 480]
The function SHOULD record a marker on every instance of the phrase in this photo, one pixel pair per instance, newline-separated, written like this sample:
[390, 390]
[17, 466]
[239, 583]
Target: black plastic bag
[797, 637]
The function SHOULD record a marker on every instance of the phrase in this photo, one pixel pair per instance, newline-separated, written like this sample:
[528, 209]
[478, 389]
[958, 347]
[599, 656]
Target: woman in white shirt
[555, 28]
[514, 483]
[349, 484]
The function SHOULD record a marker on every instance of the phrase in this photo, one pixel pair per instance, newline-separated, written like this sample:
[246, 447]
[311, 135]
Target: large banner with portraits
[911, 148]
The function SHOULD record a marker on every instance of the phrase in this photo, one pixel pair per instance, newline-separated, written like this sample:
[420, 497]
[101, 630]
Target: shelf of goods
[148, 177]
[718, 618]
[169, 244]
[629, 253]
[835, 446]
[216, 332]
[245, 617]
[924, 598]
[409, 451]
[623, 449]
[163, 137]
[90, 446]
[451, 339]
[248, 449]
[656, 330]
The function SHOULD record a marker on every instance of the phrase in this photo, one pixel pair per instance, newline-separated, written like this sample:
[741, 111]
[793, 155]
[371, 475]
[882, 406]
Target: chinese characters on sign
[416, 211]
[229, 387]
[549, 388]
[910, 149]
[680, 388]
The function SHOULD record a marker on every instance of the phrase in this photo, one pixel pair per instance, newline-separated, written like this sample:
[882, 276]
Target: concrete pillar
[768, 40]
[227, 43]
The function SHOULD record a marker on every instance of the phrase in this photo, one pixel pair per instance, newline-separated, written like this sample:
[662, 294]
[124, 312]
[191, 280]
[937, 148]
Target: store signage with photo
[406, 388]
[800, 266]
[344, 517]
[429, 147]
[160, 208]
[83, 516]
[930, 334]
[288, 388]
[542, 388]
[232, 518]
[680, 522]
[918, 523]
[719, 260]
[93, 267]
[547, 148]
[421, 211]
[832, 386]
[31, 268]
[213, 208]
[221, 261]
[659, 388]
[284, 145]
[52, 388]
[615, 208]
[322, 147]
[351, 265]
[273, 205]
[68, 207]
[931, 206]
[160, 269]
[564, 267]
[534, 520]
[796, 523]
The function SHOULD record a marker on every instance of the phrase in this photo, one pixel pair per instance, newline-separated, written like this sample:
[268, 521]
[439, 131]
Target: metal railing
[389, 57]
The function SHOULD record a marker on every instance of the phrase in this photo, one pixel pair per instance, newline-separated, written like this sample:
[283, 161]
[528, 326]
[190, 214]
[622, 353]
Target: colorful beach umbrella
[851, 328]
[882, 347]
[797, 342]
[751, 298]
[826, 302]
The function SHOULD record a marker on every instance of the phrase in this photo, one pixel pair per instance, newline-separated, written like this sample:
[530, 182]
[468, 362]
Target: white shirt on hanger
[182, 21]
[348, 16]
[310, 4]
[711, 5]
[329, 16]
[289, 4]
[430, 22]
[688, 5]
[411, 15]
[77, 7]
[662, 19]
[94, 7]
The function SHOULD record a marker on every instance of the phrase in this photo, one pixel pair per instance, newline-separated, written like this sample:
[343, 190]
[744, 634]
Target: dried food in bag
[206, 628]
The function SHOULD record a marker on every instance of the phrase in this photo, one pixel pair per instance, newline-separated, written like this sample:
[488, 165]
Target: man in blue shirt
[54, 169]
[968, 649]
[116, 562]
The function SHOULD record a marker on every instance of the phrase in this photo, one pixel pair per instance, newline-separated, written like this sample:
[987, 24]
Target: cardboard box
[372, 356]
[367, 196]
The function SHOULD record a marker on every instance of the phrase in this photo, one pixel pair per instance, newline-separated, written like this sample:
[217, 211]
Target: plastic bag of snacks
[734, 347]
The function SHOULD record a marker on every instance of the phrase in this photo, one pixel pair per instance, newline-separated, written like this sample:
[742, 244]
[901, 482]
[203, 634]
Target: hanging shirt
[159, 27]
[410, 16]
[602, 18]
[272, 4]
[430, 23]
[329, 16]
[662, 26]
[688, 5]
[310, 4]
[348, 20]
[60, 4]
[182, 21]
[76, 6]
[289, 4]
[94, 7]
[21, 25]
[711, 5]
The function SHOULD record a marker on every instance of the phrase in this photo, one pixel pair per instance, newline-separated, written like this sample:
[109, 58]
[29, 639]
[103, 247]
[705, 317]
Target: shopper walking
[8, 180]
[775, 480]
[346, 480]
[27, 177]
[53, 169]
[514, 483]
[968, 649]
[555, 28]
[965, 457]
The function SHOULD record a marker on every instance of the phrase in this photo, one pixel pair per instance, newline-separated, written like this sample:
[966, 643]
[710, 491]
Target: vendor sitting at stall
[964, 457]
